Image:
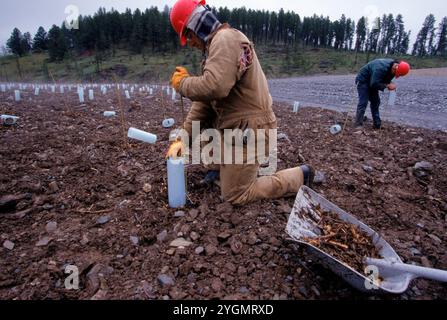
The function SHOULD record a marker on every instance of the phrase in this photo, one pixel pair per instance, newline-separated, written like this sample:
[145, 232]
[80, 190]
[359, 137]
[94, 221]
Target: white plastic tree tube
[142, 136]
[176, 183]
[168, 123]
[91, 95]
[17, 95]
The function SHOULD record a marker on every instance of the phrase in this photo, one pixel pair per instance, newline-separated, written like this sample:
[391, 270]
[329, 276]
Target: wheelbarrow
[382, 276]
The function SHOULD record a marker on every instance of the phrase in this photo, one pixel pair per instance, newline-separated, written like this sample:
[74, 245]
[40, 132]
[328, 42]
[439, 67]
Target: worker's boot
[309, 175]
[210, 178]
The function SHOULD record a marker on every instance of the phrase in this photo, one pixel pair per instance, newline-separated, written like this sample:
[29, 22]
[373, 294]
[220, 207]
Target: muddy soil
[88, 197]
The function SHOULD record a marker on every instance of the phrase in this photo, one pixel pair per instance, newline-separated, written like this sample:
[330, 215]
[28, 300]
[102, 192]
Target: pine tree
[40, 42]
[441, 48]
[27, 42]
[425, 38]
[361, 33]
[57, 47]
[15, 43]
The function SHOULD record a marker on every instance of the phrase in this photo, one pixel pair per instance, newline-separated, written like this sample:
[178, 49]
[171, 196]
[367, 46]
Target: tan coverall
[233, 93]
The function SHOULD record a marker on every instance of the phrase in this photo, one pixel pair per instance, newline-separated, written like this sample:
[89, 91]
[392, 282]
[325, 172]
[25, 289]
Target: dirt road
[421, 97]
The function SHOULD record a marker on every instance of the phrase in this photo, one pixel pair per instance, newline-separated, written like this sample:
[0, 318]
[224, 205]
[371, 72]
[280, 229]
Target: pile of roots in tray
[344, 241]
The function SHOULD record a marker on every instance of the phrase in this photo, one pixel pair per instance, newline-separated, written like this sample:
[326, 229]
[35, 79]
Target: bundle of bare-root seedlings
[344, 241]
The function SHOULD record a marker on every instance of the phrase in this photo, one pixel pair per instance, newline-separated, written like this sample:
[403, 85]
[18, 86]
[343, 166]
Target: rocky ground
[75, 192]
[421, 96]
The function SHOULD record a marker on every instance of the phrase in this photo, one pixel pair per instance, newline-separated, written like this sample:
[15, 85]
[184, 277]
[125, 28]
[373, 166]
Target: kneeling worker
[231, 93]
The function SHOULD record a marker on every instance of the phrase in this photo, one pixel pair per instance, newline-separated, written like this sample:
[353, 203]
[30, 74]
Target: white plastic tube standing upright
[81, 95]
[36, 91]
[174, 94]
[127, 94]
[296, 107]
[17, 95]
[142, 136]
[392, 98]
[3, 88]
[176, 183]
[91, 95]
[53, 89]
[151, 91]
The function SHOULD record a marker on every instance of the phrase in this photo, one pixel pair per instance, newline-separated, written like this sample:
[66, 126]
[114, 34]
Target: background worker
[377, 75]
[231, 93]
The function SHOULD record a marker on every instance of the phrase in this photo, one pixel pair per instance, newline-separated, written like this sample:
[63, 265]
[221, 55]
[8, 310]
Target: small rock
[283, 136]
[162, 236]
[180, 242]
[51, 226]
[165, 281]
[194, 236]
[53, 187]
[252, 238]
[8, 203]
[147, 188]
[236, 219]
[43, 242]
[199, 250]
[210, 250]
[224, 236]
[418, 139]
[320, 177]
[303, 291]
[179, 214]
[424, 165]
[435, 238]
[100, 295]
[135, 240]
[415, 252]
[8, 245]
[236, 247]
[47, 206]
[103, 220]
[315, 290]
[367, 169]
[244, 290]
[84, 240]
[217, 285]
[423, 169]
[425, 262]
[224, 208]
[170, 252]
[194, 213]
[421, 225]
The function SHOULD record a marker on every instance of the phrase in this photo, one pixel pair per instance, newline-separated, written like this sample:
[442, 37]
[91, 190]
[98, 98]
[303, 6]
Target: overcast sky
[29, 15]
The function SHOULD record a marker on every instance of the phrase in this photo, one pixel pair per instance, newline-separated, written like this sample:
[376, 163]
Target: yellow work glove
[175, 150]
[179, 74]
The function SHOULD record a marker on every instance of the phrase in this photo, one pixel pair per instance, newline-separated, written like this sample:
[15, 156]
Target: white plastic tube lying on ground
[167, 123]
[8, 120]
[109, 113]
[142, 136]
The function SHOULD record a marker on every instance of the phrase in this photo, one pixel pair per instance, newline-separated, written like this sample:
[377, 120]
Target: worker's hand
[177, 77]
[391, 87]
[175, 150]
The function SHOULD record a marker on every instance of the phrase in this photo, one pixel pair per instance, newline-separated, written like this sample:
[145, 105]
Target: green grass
[276, 62]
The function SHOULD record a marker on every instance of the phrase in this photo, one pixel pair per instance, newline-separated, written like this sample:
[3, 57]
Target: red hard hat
[180, 13]
[402, 69]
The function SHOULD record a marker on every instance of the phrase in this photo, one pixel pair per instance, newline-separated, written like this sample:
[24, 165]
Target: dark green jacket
[376, 74]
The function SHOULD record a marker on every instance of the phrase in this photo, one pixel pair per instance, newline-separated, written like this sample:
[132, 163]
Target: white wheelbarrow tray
[301, 226]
